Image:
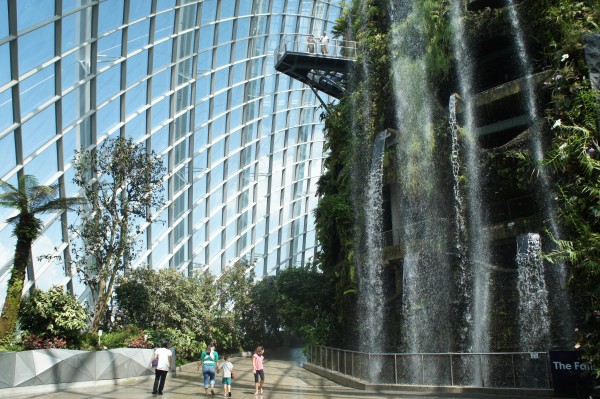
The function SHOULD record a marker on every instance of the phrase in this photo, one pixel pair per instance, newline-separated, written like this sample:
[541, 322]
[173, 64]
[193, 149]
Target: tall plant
[123, 182]
[30, 199]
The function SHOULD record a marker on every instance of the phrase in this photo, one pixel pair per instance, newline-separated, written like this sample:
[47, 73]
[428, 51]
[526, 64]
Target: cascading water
[479, 244]
[557, 275]
[361, 172]
[533, 314]
[371, 305]
[423, 231]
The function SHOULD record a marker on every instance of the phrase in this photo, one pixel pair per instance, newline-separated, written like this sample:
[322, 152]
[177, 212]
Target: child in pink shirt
[257, 369]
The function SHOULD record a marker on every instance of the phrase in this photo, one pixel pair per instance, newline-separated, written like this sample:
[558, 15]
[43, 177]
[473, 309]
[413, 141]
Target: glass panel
[37, 89]
[5, 70]
[225, 31]
[207, 35]
[35, 48]
[205, 61]
[111, 15]
[6, 109]
[139, 9]
[7, 153]
[164, 4]
[138, 35]
[38, 130]
[241, 50]
[137, 67]
[135, 98]
[69, 5]
[223, 55]
[108, 83]
[109, 48]
[164, 25]
[220, 104]
[162, 55]
[3, 20]
[73, 69]
[209, 9]
[70, 107]
[136, 127]
[31, 12]
[245, 8]
[69, 143]
[108, 116]
[45, 165]
[160, 140]
[70, 31]
[160, 112]
[161, 83]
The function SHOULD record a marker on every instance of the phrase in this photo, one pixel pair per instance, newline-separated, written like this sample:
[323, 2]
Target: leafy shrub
[187, 346]
[120, 338]
[140, 342]
[159, 300]
[11, 343]
[53, 313]
[33, 341]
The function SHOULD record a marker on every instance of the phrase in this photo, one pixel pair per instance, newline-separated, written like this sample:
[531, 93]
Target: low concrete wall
[47, 370]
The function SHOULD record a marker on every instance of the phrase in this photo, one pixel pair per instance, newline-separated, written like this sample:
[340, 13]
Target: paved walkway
[284, 379]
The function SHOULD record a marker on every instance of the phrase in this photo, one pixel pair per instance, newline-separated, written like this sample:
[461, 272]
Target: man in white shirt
[324, 43]
[163, 366]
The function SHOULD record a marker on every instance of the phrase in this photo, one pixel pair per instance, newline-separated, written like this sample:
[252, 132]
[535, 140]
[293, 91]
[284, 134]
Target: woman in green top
[209, 360]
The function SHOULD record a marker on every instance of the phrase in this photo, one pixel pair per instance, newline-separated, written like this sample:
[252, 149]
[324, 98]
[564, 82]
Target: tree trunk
[10, 311]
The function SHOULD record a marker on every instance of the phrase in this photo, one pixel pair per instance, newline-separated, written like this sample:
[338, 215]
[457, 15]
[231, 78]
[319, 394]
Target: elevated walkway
[322, 67]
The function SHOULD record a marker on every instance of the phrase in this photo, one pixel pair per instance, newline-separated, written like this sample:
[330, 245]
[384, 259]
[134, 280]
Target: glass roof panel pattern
[195, 81]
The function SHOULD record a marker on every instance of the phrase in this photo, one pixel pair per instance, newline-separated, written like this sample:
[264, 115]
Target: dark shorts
[259, 375]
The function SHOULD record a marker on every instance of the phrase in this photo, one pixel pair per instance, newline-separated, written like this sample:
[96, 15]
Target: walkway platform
[323, 68]
[285, 379]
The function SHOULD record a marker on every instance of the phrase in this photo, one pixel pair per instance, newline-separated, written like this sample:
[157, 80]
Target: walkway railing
[308, 44]
[497, 370]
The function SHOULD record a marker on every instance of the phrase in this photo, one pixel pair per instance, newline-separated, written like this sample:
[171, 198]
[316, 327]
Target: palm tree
[29, 199]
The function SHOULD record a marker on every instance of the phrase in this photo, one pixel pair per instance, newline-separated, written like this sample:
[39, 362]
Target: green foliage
[260, 322]
[438, 32]
[234, 300]
[118, 338]
[574, 158]
[30, 200]
[123, 182]
[303, 303]
[53, 313]
[187, 344]
[11, 343]
[159, 300]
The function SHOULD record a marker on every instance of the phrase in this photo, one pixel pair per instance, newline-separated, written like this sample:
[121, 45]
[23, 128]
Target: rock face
[592, 58]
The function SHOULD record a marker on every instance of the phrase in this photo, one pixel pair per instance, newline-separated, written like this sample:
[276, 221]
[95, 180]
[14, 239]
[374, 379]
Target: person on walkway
[311, 44]
[258, 370]
[324, 43]
[164, 356]
[227, 368]
[209, 360]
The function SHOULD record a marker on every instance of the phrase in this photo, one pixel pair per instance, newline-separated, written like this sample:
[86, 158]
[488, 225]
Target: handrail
[301, 43]
[521, 370]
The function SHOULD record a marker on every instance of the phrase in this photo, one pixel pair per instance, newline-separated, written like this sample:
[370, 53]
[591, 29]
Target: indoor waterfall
[423, 220]
[476, 294]
[370, 309]
[556, 274]
[533, 315]
[371, 306]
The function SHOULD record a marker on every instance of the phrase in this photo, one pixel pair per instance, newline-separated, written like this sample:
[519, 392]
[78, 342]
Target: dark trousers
[159, 380]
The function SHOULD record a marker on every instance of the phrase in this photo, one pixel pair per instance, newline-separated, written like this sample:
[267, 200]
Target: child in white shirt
[227, 368]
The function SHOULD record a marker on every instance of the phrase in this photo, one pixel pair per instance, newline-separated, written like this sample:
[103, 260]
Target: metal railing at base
[492, 370]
